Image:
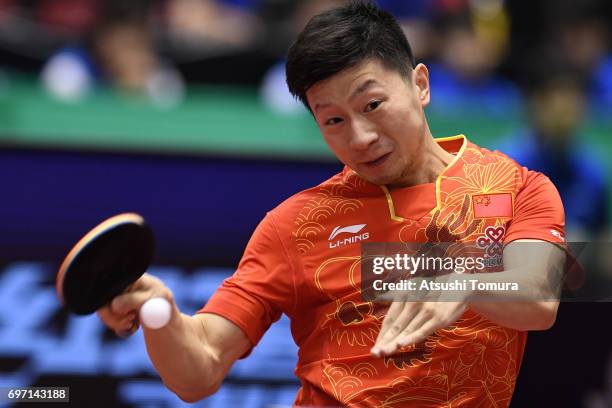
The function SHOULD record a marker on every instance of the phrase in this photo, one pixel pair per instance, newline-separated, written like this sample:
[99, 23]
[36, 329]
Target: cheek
[406, 118]
[403, 130]
[336, 146]
[409, 141]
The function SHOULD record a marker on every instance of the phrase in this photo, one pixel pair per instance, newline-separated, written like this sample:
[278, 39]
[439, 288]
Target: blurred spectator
[75, 15]
[554, 146]
[415, 17]
[585, 42]
[123, 54]
[576, 32]
[602, 87]
[212, 25]
[473, 41]
[581, 36]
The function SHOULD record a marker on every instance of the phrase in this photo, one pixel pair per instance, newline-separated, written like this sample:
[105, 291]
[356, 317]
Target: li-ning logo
[351, 229]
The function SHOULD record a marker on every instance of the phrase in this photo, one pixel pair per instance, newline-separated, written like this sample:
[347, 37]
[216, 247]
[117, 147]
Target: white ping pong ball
[155, 313]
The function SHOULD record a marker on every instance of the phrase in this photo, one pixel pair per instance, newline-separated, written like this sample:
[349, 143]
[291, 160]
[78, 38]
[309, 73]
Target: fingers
[387, 323]
[129, 302]
[416, 336]
[423, 324]
[394, 310]
[128, 330]
[123, 325]
[142, 290]
[413, 323]
[395, 326]
[413, 316]
[434, 318]
[108, 317]
[121, 314]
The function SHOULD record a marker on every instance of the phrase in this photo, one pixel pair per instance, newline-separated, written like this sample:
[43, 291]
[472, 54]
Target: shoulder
[477, 155]
[290, 208]
[505, 169]
[309, 211]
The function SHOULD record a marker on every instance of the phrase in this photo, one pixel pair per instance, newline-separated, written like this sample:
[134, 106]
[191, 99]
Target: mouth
[377, 162]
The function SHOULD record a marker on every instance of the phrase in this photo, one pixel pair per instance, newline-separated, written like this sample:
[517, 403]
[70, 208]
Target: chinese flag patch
[492, 205]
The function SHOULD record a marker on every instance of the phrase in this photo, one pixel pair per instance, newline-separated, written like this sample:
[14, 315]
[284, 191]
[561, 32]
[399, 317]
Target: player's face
[372, 119]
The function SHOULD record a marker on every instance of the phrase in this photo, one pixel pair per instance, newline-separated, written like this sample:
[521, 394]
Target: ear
[421, 83]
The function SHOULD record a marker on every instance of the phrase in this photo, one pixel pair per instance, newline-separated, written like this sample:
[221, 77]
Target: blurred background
[178, 110]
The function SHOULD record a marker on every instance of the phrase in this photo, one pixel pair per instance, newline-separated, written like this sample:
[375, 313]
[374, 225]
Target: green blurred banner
[211, 120]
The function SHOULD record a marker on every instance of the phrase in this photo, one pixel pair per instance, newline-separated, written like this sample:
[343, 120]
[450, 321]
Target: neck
[434, 160]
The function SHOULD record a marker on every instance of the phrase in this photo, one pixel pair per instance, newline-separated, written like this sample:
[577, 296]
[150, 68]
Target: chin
[379, 180]
[383, 176]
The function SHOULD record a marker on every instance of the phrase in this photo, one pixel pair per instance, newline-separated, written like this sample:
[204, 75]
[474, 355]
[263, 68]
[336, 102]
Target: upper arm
[535, 238]
[544, 261]
[538, 212]
[261, 289]
[544, 266]
[240, 311]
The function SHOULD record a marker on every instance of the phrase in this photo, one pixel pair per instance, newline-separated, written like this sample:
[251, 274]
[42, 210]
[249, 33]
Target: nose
[363, 135]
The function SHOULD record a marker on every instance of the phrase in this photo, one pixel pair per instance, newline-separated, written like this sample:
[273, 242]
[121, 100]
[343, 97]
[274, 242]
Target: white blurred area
[67, 78]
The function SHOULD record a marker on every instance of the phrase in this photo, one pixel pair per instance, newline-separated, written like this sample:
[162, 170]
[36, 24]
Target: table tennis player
[353, 68]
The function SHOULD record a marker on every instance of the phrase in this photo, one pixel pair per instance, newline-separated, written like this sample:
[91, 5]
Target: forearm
[522, 297]
[532, 307]
[180, 356]
[522, 316]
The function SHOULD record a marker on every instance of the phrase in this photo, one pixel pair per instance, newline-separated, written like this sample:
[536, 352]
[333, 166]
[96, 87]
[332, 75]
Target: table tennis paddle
[105, 262]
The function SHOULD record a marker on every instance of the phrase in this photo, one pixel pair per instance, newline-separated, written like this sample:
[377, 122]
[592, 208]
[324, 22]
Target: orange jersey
[304, 260]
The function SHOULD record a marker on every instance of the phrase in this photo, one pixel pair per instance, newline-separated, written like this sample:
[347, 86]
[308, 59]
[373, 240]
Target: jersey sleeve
[262, 287]
[538, 211]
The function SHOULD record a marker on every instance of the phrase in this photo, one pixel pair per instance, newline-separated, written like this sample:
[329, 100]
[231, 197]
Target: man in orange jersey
[353, 69]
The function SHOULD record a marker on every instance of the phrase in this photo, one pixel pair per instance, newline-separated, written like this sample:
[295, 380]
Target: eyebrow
[360, 89]
[321, 105]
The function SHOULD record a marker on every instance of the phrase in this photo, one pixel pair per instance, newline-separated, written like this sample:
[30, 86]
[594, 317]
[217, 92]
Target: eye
[372, 106]
[333, 121]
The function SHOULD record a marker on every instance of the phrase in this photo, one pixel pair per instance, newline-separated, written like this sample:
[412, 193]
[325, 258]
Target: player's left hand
[412, 322]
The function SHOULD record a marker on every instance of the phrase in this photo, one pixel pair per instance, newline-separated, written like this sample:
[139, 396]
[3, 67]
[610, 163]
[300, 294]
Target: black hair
[341, 38]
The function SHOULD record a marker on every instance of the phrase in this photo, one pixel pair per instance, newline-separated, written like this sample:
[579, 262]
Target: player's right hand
[121, 314]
